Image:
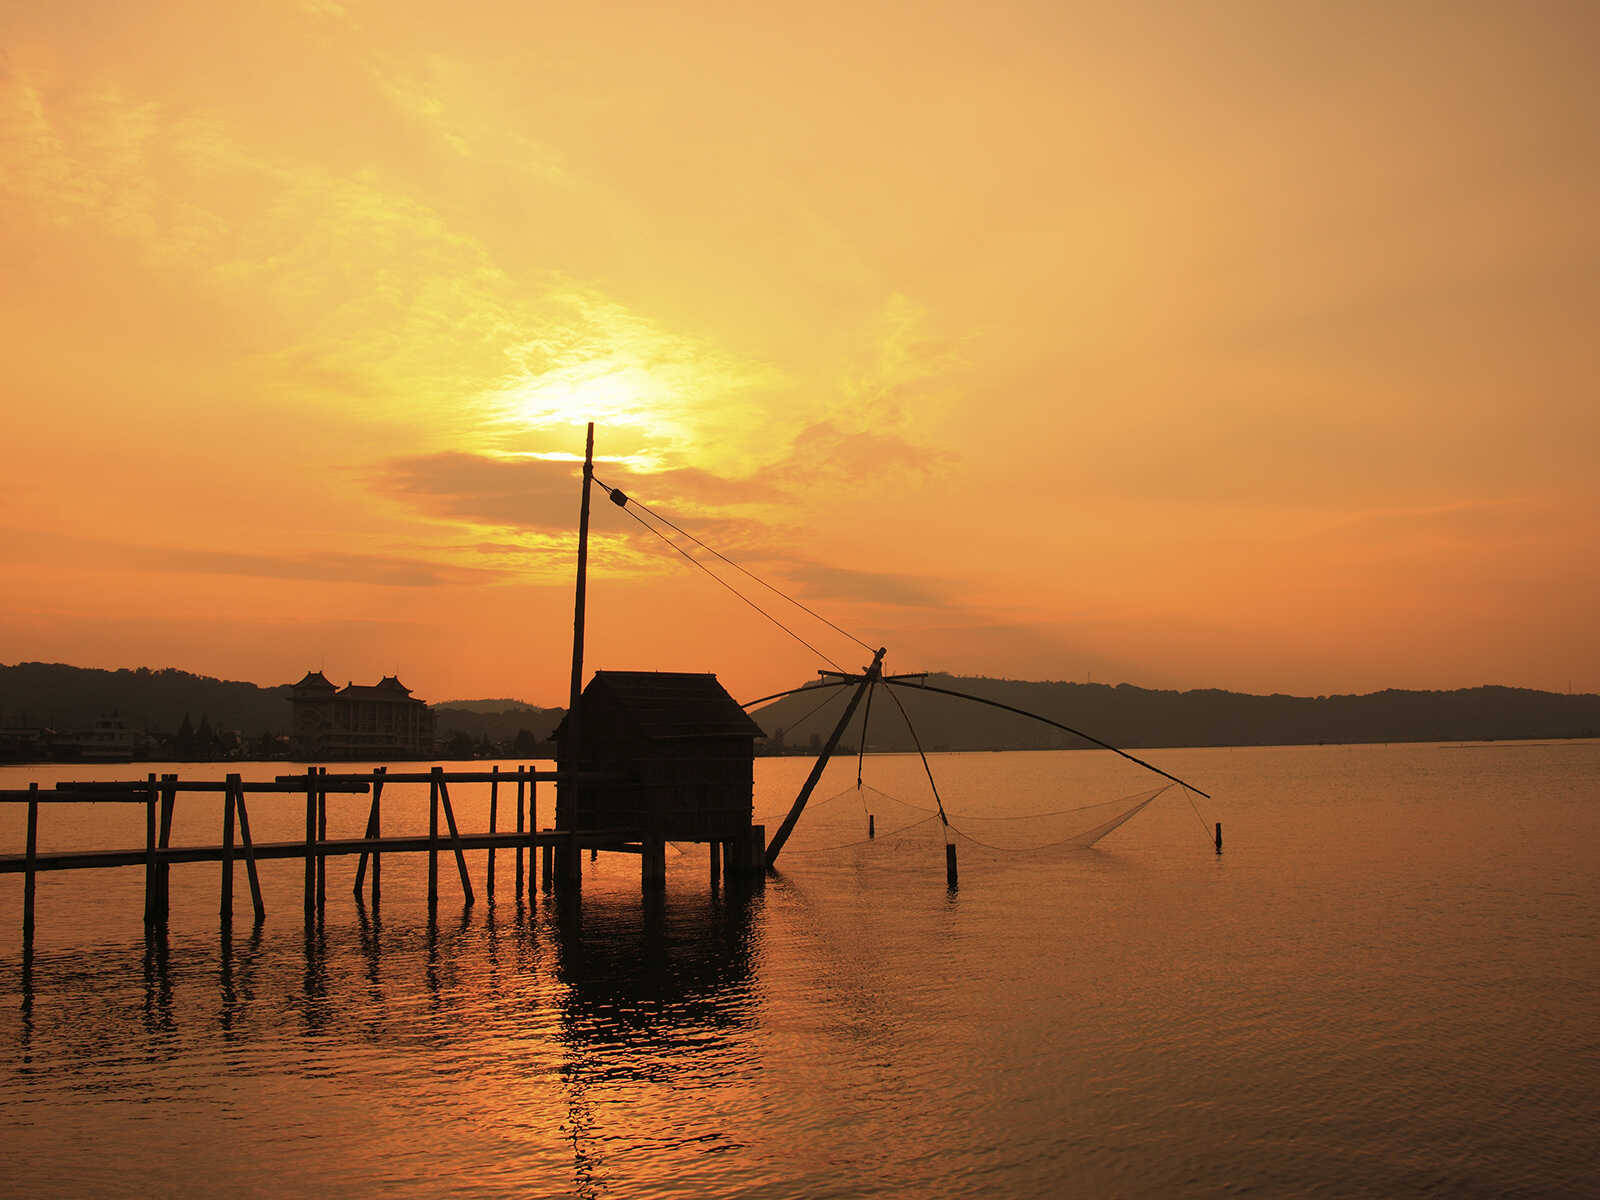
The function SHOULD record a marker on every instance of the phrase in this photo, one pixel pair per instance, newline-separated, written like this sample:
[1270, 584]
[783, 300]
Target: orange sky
[1248, 345]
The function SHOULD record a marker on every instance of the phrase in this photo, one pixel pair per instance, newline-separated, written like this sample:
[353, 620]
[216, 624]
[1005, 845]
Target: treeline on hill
[156, 702]
[1132, 717]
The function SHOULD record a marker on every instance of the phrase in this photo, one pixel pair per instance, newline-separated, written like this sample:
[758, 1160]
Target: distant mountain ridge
[1133, 717]
[64, 697]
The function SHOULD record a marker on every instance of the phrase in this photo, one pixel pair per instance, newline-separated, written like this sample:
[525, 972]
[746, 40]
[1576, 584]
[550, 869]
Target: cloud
[541, 494]
[379, 570]
[877, 587]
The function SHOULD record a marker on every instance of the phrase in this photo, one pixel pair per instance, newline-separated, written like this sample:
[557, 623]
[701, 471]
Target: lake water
[1386, 985]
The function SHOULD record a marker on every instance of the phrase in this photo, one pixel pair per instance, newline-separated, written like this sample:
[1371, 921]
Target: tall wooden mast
[567, 792]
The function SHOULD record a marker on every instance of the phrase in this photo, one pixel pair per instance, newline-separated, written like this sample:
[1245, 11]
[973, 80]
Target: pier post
[950, 865]
[757, 865]
[322, 836]
[533, 824]
[225, 905]
[872, 826]
[150, 883]
[169, 803]
[377, 832]
[494, 804]
[433, 839]
[455, 836]
[572, 863]
[248, 844]
[1219, 837]
[653, 862]
[33, 858]
[521, 791]
[311, 838]
[716, 864]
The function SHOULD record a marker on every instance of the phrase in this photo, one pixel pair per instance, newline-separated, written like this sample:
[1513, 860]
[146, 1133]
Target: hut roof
[674, 704]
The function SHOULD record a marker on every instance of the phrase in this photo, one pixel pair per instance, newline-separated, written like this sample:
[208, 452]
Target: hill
[1132, 717]
[58, 696]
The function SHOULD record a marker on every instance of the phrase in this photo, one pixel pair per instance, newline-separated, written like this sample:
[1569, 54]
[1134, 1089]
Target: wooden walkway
[561, 849]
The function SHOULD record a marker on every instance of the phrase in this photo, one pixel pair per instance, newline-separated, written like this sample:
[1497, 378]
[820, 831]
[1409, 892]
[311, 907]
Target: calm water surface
[1386, 986]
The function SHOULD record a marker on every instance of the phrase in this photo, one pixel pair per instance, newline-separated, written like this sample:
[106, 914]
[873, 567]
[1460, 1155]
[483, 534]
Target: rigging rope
[626, 500]
[918, 742]
[827, 658]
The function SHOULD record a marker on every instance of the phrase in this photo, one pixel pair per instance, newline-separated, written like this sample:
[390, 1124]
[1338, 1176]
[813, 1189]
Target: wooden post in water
[311, 838]
[150, 883]
[225, 905]
[33, 858]
[374, 830]
[872, 827]
[377, 832]
[1219, 837]
[322, 836]
[494, 802]
[249, 853]
[521, 795]
[169, 804]
[433, 838]
[653, 862]
[455, 836]
[950, 865]
[716, 864]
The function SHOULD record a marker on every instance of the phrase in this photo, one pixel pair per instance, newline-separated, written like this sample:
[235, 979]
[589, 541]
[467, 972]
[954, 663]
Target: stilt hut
[682, 752]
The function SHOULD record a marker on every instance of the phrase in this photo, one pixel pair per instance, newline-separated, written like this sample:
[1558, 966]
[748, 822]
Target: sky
[1246, 345]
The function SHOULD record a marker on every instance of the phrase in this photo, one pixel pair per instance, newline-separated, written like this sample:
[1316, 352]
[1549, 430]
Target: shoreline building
[381, 721]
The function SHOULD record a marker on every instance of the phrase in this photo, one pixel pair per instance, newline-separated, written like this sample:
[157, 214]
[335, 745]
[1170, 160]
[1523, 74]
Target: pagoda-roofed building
[680, 749]
[358, 722]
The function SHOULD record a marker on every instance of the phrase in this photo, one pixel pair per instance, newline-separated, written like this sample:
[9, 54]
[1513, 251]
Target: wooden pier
[556, 867]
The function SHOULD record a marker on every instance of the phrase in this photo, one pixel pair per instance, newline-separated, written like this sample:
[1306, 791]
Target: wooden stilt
[716, 864]
[249, 854]
[872, 826]
[226, 902]
[653, 863]
[455, 838]
[33, 858]
[494, 803]
[950, 864]
[1219, 837]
